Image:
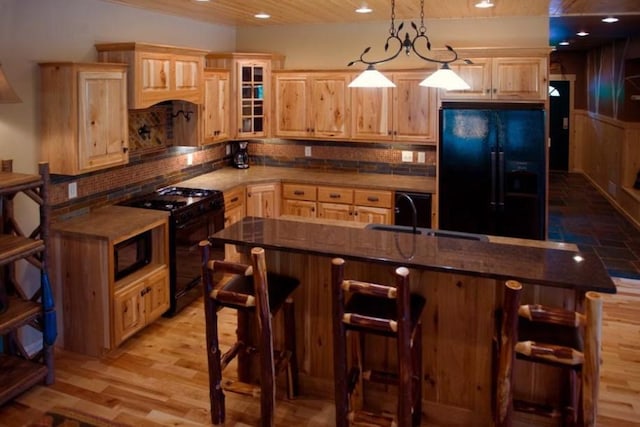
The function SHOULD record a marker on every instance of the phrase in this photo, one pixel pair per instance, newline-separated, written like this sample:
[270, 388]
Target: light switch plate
[73, 190]
[227, 149]
[307, 151]
[189, 159]
[421, 157]
[407, 156]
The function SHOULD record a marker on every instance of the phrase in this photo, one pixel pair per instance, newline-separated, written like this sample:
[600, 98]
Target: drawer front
[299, 192]
[335, 195]
[233, 198]
[376, 198]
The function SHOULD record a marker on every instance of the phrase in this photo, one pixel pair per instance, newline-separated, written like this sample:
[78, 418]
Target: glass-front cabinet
[251, 90]
[252, 98]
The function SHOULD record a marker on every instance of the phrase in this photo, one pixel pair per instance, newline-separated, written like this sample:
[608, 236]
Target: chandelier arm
[426, 58]
[380, 61]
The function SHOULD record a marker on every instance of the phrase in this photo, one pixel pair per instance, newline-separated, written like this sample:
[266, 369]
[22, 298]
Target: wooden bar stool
[390, 311]
[253, 292]
[556, 337]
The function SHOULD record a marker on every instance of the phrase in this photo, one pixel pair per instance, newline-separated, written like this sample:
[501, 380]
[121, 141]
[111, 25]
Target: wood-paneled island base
[462, 283]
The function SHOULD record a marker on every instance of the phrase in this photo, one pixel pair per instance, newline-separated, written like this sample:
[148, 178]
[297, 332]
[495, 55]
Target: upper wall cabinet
[407, 112]
[250, 90]
[84, 116]
[505, 79]
[158, 73]
[311, 104]
[215, 110]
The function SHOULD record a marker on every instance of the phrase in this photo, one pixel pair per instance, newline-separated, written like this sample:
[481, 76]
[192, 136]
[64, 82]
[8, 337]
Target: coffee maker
[241, 157]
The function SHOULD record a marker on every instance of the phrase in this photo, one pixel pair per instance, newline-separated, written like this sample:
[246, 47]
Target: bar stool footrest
[370, 419]
[239, 387]
[534, 408]
[380, 377]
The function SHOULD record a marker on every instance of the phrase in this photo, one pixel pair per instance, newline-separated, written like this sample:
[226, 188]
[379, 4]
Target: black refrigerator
[492, 169]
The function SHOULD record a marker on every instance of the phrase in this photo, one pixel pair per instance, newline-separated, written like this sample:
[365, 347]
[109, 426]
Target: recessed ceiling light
[582, 33]
[610, 20]
[564, 43]
[484, 4]
[262, 15]
[364, 9]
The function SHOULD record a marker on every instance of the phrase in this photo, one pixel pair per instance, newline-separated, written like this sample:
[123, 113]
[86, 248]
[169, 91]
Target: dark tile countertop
[528, 264]
[227, 178]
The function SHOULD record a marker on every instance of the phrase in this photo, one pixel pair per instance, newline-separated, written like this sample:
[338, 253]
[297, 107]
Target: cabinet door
[303, 208]
[369, 214]
[187, 73]
[156, 297]
[253, 96]
[330, 105]
[477, 75]
[154, 79]
[128, 311]
[102, 122]
[216, 106]
[339, 211]
[263, 200]
[519, 78]
[292, 105]
[371, 113]
[415, 108]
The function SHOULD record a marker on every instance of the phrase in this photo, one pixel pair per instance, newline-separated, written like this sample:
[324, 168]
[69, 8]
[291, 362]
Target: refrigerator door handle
[501, 180]
[492, 202]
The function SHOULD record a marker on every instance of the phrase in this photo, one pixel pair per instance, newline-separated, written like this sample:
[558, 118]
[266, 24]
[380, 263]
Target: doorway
[559, 113]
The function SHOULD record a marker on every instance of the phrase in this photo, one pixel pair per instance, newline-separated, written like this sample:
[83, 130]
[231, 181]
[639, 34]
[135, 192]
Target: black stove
[195, 215]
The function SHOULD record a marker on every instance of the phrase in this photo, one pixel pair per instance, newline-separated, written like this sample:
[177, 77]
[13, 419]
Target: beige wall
[334, 46]
[32, 31]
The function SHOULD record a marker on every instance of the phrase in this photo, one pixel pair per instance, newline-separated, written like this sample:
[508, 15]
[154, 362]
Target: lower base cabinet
[140, 303]
[99, 309]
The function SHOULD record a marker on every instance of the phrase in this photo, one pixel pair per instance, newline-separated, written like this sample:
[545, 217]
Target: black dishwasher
[404, 210]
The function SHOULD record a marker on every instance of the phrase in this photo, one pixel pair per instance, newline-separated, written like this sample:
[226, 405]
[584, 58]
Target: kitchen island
[462, 282]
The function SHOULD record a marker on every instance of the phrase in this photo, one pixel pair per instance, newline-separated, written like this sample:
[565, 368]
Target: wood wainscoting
[607, 151]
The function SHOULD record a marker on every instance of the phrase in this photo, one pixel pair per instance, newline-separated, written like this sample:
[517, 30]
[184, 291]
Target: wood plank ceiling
[566, 16]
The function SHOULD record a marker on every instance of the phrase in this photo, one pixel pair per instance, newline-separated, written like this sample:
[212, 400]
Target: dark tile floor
[579, 214]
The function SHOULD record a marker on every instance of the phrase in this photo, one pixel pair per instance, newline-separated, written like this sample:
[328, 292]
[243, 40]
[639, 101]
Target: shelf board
[18, 375]
[13, 247]
[19, 312]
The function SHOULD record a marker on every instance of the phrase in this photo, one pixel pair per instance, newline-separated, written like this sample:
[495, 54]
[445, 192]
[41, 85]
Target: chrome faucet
[414, 211]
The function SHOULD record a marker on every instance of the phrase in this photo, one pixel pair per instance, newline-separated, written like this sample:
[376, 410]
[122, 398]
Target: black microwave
[132, 254]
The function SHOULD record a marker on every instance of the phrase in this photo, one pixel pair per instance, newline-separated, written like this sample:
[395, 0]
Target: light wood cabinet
[311, 104]
[234, 211]
[99, 310]
[158, 73]
[215, 110]
[299, 200]
[139, 303]
[83, 116]
[368, 206]
[507, 79]
[263, 200]
[407, 112]
[19, 306]
[250, 75]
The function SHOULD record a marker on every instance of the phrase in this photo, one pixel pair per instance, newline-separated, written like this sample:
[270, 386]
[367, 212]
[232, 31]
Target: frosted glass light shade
[446, 79]
[371, 78]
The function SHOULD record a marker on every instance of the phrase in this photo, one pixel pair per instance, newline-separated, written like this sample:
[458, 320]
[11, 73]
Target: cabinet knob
[125, 149]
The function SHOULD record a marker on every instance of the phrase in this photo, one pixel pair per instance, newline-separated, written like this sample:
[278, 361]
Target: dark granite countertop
[534, 265]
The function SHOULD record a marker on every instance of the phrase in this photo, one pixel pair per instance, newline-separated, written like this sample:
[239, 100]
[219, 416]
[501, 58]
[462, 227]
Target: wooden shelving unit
[20, 370]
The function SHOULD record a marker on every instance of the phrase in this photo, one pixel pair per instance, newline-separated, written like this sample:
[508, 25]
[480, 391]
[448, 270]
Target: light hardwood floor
[159, 377]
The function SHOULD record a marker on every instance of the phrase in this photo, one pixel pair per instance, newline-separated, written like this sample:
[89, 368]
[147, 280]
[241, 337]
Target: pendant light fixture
[444, 77]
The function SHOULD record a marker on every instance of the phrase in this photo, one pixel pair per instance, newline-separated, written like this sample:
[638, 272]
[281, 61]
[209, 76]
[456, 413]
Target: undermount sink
[427, 232]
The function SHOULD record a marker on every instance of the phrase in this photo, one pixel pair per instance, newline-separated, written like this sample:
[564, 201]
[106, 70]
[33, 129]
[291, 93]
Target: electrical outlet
[421, 157]
[73, 190]
[189, 159]
[407, 156]
[227, 150]
[307, 151]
